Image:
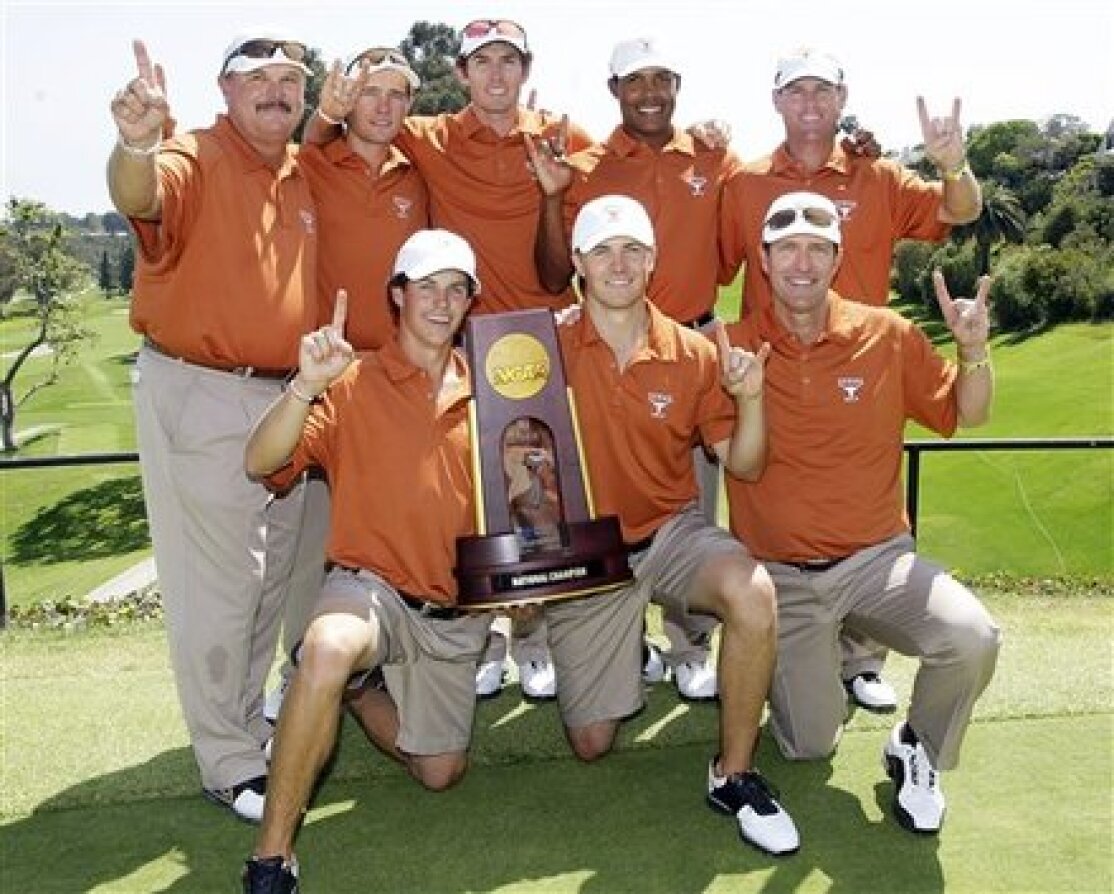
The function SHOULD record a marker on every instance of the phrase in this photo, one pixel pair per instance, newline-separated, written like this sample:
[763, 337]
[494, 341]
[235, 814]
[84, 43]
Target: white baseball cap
[610, 216]
[480, 32]
[807, 62]
[801, 213]
[429, 251]
[630, 56]
[262, 47]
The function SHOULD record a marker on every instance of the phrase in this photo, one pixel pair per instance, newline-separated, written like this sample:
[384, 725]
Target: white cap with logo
[610, 216]
[808, 63]
[430, 251]
[264, 46]
[801, 214]
[630, 56]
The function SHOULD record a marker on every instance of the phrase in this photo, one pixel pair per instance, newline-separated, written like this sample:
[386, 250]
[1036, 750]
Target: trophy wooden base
[495, 571]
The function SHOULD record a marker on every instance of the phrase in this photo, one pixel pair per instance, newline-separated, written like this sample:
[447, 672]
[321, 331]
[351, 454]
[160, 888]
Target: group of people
[302, 405]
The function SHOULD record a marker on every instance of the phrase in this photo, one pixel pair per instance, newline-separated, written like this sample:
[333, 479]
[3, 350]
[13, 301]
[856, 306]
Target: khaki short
[429, 664]
[596, 642]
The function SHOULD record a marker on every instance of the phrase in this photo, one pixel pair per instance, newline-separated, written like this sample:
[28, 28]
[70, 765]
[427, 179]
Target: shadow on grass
[635, 822]
[107, 519]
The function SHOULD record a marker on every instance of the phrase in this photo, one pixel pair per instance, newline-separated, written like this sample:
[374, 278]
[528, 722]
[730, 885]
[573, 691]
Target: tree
[126, 268]
[1002, 219]
[314, 83]
[104, 274]
[432, 49]
[34, 238]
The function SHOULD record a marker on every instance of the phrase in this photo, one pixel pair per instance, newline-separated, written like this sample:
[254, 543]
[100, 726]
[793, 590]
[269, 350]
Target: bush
[911, 259]
[1013, 307]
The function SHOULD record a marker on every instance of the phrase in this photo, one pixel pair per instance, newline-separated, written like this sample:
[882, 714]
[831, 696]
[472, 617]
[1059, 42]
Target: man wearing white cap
[827, 515]
[679, 181]
[392, 424]
[220, 311]
[646, 389]
[369, 199]
[879, 202]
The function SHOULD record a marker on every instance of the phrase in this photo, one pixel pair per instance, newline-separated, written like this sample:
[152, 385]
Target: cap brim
[644, 63]
[468, 46]
[245, 64]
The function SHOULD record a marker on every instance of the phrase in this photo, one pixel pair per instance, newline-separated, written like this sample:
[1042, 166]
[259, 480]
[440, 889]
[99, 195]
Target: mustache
[275, 104]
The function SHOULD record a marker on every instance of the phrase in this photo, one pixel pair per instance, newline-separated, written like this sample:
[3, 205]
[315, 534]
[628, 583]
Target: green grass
[100, 792]
[62, 533]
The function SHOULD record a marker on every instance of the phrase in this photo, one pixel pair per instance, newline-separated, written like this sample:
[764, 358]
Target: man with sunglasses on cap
[480, 185]
[880, 203]
[679, 180]
[388, 602]
[647, 389]
[827, 515]
[369, 199]
[220, 312]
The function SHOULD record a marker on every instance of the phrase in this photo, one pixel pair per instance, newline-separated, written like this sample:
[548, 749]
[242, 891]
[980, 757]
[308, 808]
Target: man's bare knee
[439, 772]
[590, 743]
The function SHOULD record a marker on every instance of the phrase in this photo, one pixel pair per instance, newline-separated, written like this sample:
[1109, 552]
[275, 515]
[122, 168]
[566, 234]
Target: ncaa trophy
[537, 539]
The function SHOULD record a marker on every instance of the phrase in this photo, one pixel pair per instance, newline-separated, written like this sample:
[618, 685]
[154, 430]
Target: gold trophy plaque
[538, 538]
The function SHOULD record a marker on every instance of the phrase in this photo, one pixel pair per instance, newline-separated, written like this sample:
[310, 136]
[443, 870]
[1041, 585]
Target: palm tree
[1002, 220]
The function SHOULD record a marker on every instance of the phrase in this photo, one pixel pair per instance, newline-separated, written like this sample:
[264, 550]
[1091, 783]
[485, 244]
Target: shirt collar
[399, 368]
[784, 163]
[845, 319]
[340, 153]
[659, 343]
[624, 145]
[246, 157]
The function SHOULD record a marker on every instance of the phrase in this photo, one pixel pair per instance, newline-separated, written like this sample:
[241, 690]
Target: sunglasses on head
[378, 56]
[484, 27]
[266, 49]
[817, 217]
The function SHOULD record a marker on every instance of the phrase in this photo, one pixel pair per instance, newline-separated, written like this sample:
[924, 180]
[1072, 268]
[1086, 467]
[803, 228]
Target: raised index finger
[956, 104]
[723, 344]
[983, 290]
[143, 62]
[943, 296]
[922, 110]
[340, 311]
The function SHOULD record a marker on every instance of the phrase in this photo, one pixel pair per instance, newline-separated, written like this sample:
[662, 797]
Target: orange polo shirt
[879, 201]
[364, 216]
[399, 470]
[225, 277]
[680, 187]
[836, 414]
[639, 426]
[481, 187]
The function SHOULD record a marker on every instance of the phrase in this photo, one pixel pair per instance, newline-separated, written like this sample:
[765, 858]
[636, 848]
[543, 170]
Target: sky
[62, 61]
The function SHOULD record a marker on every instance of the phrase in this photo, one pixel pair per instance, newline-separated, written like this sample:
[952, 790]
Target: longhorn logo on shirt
[658, 403]
[402, 206]
[696, 183]
[845, 207]
[850, 386]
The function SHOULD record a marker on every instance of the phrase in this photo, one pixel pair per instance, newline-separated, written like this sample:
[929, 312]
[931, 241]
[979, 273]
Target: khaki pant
[904, 602]
[223, 549]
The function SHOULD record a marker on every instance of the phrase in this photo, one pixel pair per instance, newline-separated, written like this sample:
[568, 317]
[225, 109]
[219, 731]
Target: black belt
[432, 610]
[426, 609]
[244, 372]
[817, 566]
[701, 321]
[642, 545]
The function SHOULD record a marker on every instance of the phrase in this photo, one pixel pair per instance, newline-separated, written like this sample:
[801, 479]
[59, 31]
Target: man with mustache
[226, 234]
